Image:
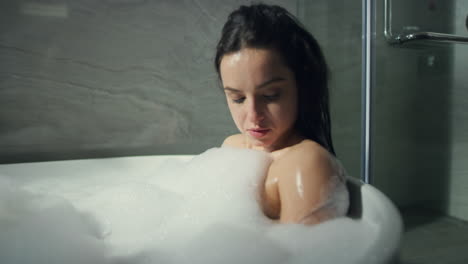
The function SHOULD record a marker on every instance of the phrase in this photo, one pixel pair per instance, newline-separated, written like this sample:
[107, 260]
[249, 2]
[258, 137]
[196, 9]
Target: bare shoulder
[307, 155]
[303, 172]
[234, 141]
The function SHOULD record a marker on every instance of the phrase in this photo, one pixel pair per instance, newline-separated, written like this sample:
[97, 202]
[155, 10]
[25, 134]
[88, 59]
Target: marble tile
[337, 27]
[83, 79]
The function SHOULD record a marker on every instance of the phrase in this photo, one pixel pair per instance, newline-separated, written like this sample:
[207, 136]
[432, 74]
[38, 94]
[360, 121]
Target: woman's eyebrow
[260, 86]
[272, 80]
[227, 88]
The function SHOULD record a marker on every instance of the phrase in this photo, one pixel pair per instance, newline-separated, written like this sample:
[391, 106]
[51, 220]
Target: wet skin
[261, 94]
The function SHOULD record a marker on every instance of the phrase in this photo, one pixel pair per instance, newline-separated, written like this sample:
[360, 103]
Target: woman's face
[262, 97]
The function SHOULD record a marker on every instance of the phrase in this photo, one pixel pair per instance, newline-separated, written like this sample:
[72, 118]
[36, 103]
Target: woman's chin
[261, 144]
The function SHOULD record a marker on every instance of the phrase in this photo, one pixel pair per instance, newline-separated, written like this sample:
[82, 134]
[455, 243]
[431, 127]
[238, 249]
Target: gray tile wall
[337, 27]
[85, 78]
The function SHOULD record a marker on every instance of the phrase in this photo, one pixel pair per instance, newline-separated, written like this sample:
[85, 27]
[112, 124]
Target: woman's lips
[258, 133]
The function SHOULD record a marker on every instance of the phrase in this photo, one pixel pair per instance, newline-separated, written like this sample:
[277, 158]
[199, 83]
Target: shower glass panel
[420, 137]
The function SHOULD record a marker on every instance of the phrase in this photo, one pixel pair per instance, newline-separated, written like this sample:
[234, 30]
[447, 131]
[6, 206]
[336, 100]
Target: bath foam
[45, 229]
[201, 211]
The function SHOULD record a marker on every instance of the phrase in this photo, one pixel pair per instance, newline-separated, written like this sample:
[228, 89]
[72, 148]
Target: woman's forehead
[257, 65]
[254, 56]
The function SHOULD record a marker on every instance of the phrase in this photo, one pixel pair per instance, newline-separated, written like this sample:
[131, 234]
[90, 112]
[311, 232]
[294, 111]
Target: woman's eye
[239, 101]
[271, 97]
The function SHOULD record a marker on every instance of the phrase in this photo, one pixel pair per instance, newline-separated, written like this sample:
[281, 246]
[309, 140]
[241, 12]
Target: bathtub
[368, 206]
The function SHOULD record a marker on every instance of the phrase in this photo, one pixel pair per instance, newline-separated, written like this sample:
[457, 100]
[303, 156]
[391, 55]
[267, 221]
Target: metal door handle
[415, 36]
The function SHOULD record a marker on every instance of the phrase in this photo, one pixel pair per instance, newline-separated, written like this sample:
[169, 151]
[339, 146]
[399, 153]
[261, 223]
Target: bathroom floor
[433, 238]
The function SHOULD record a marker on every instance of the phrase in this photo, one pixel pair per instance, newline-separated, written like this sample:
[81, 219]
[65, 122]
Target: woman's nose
[255, 111]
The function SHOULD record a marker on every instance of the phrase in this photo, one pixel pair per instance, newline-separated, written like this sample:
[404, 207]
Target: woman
[275, 80]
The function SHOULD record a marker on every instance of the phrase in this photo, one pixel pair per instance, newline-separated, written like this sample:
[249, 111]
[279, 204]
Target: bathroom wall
[458, 184]
[85, 78]
[337, 27]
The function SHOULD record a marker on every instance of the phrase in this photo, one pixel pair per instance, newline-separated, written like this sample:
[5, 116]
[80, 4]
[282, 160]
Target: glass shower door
[420, 125]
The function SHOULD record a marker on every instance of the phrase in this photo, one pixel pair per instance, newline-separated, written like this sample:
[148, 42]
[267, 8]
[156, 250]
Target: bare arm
[303, 176]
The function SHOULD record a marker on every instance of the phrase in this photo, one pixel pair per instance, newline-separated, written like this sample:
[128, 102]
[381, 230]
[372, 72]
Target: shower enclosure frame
[368, 82]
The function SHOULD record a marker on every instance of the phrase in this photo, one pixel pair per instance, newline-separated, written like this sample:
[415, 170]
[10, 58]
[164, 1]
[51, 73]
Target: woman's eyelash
[271, 97]
[239, 101]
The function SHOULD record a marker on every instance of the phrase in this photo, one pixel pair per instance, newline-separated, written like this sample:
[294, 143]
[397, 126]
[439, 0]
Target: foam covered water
[200, 211]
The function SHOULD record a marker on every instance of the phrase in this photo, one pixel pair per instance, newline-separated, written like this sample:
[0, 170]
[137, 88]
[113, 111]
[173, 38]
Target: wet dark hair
[273, 27]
